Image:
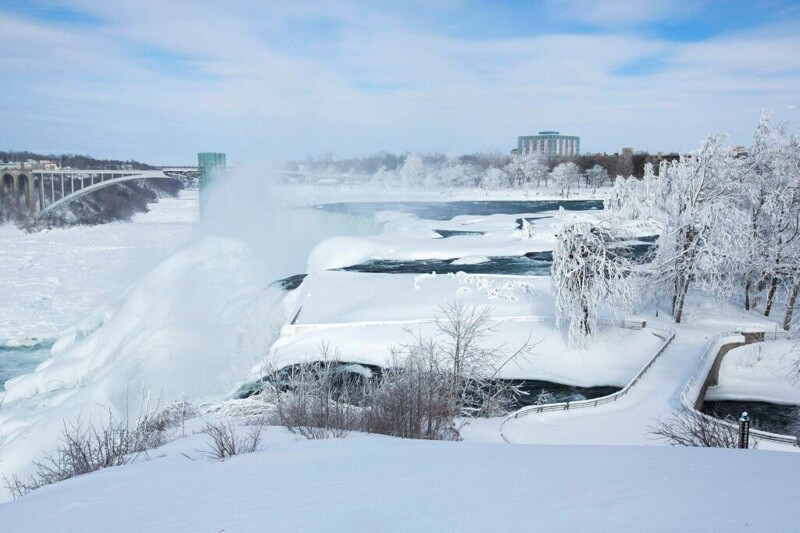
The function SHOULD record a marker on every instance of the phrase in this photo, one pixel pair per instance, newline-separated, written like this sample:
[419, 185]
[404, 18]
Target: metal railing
[297, 329]
[582, 404]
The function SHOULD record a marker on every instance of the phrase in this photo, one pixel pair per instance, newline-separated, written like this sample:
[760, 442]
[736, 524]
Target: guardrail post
[744, 431]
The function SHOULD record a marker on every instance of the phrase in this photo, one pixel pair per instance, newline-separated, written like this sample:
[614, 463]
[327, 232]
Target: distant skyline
[160, 80]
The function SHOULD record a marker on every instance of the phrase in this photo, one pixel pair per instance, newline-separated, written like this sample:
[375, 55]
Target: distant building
[42, 164]
[549, 144]
[210, 165]
[739, 151]
[627, 151]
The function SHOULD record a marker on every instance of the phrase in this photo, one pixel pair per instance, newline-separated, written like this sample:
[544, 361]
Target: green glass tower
[209, 164]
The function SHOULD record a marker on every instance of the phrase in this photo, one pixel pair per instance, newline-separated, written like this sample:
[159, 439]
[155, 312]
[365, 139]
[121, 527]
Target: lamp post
[744, 431]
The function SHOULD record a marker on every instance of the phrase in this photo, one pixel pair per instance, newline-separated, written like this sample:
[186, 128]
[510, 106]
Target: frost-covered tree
[383, 178]
[469, 175]
[781, 234]
[703, 231]
[525, 170]
[596, 176]
[768, 193]
[731, 222]
[624, 165]
[634, 199]
[413, 171]
[789, 169]
[534, 171]
[565, 176]
[586, 275]
[494, 178]
[756, 181]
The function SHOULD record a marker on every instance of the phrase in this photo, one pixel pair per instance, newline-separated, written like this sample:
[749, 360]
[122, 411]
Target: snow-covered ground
[364, 315]
[383, 484]
[761, 372]
[201, 322]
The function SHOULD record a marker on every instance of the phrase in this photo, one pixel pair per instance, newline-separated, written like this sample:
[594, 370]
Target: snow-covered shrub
[544, 397]
[691, 428]
[318, 400]
[413, 399]
[633, 199]
[86, 448]
[171, 416]
[226, 441]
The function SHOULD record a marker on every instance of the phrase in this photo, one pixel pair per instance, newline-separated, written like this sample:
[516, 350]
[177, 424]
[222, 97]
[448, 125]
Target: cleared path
[628, 420]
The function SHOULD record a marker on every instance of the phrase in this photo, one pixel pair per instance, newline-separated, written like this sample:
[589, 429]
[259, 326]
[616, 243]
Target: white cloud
[360, 80]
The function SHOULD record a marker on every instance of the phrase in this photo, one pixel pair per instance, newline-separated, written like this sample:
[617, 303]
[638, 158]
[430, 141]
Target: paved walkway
[628, 420]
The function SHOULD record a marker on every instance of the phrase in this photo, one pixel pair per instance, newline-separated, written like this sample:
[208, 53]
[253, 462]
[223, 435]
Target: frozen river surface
[53, 278]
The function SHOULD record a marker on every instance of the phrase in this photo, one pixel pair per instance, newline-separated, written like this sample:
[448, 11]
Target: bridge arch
[7, 186]
[88, 185]
[25, 191]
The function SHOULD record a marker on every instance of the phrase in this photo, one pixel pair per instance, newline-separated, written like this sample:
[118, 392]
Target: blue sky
[159, 80]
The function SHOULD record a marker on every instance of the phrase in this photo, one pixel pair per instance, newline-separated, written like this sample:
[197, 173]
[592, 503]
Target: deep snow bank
[349, 485]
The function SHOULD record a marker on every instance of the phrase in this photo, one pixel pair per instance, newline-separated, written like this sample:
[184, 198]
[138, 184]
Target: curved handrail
[565, 406]
[296, 329]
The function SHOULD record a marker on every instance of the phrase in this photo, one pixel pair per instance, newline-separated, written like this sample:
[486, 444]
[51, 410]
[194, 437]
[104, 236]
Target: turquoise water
[17, 361]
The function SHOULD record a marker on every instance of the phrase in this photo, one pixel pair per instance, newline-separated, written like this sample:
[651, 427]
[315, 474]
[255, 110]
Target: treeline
[75, 161]
[613, 164]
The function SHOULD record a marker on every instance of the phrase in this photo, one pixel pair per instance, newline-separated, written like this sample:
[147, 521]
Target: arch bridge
[41, 191]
